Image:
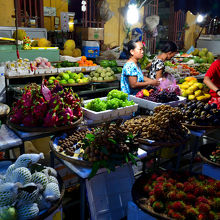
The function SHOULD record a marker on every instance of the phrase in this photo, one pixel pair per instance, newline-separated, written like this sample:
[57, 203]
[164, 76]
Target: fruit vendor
[132, 78]
[157, 68]
[212, 78]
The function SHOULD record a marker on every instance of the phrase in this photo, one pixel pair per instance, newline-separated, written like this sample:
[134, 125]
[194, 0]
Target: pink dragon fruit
[17, 117]
[46, 92]
[39, 110]
[140, 94]
[29, 121]
[27, 99]
[50, 120]
[65, 116]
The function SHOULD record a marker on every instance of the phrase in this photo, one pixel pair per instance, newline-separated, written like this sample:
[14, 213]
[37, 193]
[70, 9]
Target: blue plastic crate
[109, 193]
[134, 213]
[211, 171]
[90, 52]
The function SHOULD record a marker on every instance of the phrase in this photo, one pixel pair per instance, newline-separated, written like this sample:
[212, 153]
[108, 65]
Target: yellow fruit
[77, 52]
[70, 44]
[186, 86]
[21, 34]
[189, 78]
[200, 85]
[193, 87]
[207, 95]
[198, 93]
[43, 42]
[191, 97]
[67, 52]
[189, 91]
[192, 82]
[199, 98]
[183, 93]
[145, 92]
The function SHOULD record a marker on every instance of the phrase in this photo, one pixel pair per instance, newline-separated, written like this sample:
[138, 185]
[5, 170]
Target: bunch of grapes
[163, 96]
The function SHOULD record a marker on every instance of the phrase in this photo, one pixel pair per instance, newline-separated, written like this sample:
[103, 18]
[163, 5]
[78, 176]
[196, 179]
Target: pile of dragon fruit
[40, 106]
[27, 188]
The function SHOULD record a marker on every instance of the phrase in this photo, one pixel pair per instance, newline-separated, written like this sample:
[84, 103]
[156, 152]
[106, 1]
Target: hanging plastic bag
[104, 13]
[169, 84]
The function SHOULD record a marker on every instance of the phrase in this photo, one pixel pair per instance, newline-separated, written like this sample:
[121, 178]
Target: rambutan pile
[184, 196]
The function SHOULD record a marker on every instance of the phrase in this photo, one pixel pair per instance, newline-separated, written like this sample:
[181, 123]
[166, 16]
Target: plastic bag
[104, 13]
[215, 100]
[169, 84]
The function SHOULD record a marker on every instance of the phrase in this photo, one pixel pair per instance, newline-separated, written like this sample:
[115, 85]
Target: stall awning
[210, 7]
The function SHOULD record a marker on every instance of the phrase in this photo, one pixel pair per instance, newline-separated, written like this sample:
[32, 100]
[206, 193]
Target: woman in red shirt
[212, 80]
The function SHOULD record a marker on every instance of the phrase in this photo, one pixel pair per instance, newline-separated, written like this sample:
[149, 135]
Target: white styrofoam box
[64, 69]
[108, 114]
[69, 58]
[54, 70]
[211, 171]
[151, 105]
[109, 193]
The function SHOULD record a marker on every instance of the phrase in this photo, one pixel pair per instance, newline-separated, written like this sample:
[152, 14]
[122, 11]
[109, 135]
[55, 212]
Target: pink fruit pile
[183, 196]
[40, 106]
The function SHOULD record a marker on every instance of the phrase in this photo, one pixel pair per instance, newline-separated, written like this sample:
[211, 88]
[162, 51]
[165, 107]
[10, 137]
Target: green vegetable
[117, 94]
[104, 63]
[114, 69]
[119, 69]
[112, 63]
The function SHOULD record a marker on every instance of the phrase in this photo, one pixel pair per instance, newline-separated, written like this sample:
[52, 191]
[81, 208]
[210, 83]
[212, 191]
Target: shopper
[169, 49]
[212, 78]
[132, 78]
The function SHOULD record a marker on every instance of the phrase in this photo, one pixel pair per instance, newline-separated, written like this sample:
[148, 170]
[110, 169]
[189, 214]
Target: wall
[60, 5]
[6, 11]
[114, 33]
[192, 33]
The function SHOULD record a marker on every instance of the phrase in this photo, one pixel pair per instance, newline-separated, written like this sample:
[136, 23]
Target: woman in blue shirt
[132, 78]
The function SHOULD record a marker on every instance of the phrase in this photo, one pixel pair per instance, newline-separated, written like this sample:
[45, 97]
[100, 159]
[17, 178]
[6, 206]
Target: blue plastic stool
[134, 213]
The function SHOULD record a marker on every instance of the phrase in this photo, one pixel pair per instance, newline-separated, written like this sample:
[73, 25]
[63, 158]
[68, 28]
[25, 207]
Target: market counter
[8, 53]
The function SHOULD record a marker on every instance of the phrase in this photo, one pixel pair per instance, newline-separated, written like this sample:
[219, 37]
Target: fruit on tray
[108, 143]
[70, 144]
[156, 95]
[19, 200]
[102, 74]
[203, 56]
[200, 113]
[69, 77]
[71, 50]
[112, 64]
[85, 62]
[41, 63]
[164, 125]
[202, 68]
[194, 90]
[66, 64]
[40, 106]
[215, 157]
[192, 70]
[182, 196]
[115, 99]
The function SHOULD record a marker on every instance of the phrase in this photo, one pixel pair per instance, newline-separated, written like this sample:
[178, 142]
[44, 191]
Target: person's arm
[147, 81]
[211, 85]
[159, 74]
[148, 66]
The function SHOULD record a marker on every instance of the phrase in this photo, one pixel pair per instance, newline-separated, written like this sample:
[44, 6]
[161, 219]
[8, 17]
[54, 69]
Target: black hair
[131, 45]
[169, 46]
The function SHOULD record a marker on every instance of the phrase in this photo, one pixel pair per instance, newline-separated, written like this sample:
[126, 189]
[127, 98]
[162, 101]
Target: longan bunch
[67, 145]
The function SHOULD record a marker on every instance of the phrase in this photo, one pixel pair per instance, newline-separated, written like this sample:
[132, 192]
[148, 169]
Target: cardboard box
[92, 33]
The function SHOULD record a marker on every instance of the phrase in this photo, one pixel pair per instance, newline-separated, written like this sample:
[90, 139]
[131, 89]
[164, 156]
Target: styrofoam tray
[108, 114]
[151, 105]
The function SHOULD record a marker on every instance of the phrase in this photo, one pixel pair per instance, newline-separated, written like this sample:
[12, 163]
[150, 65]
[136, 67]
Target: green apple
[58, 78]
[71, 81]
[68, 71]
[73, 75]
[81, 75]
[61, 74]
[52, 78]
[50, 81]
[80, 81]
[63, 81]
[66, 76]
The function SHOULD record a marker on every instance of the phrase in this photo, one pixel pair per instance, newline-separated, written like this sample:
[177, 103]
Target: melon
[43, 42]
[77, 52]
[69, 44]
[67, 52]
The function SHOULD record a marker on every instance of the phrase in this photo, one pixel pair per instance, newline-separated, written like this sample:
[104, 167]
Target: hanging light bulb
[83, 6]
[200, 18]
[132, 14]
